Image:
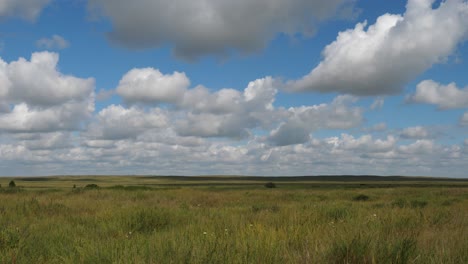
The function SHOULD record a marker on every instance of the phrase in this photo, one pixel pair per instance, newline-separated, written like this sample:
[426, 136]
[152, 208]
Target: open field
[133, 219]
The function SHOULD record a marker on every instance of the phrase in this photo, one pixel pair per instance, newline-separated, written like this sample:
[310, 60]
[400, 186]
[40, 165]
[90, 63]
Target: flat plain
[233, 219]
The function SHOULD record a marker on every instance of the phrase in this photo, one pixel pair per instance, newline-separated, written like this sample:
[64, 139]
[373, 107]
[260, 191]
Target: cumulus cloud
[38, 98]
[228, 112]
[23, 118]
[116, 122]
[54, 42]
[149, 85]
[301, 121]
[444, 96]
[362, 144]
[381, 58]
[198, 111]
[198, 28]
[25, 9]
[414, 132]
[422, 146]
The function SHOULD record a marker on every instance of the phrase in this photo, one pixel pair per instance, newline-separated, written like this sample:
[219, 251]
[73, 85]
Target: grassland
[233, 220]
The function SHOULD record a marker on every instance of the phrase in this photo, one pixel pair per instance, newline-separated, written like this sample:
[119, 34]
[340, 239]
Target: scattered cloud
[464, 119]
[444, 96]
[416, 132]
[25, 9]
[381, 58]
[213, 27]
[55, 42]
[382, 126]
[377, 104]
[301, 121]
[421, 146]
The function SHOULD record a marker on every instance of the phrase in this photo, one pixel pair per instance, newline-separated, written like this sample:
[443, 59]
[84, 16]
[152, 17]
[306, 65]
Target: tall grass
[244, 225]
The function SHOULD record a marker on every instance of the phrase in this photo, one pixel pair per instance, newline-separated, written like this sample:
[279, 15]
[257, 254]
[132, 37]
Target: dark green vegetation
[233, 220]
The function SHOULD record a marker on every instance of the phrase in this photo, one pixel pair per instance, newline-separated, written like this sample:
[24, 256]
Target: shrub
[399, 203]
[418, 203]
[148, 220]
[12, 184]
[361, 197]
[270, 185]
[92, 186]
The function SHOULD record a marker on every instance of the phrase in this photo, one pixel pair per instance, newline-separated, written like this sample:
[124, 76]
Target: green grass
[164, 220]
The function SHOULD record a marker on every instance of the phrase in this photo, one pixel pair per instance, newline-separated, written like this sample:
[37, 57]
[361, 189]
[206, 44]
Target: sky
[247, 87]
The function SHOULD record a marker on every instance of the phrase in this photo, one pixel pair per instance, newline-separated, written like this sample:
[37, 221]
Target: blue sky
[247, 87]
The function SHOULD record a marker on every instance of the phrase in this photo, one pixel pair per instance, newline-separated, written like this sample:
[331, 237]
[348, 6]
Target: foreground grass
[248, 224]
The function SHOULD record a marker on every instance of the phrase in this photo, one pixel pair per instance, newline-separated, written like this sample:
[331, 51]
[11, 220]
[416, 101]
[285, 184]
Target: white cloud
[37, 82]
[26, 9]
[198, 28]
[68, 116]
[54, 42]
[414, 132]
[363, 144]
[38, 98]
[464, 119]
[382, 58]
[377, 104]
[301, 121]
[378, 127]
[444, 96]
[227, 112]
[47, 141]
[149, 85]
[422, 146]
[116, 122]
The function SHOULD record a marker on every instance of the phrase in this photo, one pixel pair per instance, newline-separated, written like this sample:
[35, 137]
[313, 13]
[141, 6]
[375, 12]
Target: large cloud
[382, 58]
[198, 28]
[444, 96]
[26, 9]
[38, 98]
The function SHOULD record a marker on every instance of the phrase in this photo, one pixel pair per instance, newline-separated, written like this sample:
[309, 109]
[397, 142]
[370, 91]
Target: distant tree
[12, 184]
[270, 185]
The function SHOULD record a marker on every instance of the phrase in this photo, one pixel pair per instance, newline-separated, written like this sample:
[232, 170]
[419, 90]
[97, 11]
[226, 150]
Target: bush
[92, 186]
[361, 197]
[418, 203]
[399, 203]
[148, 220]
[270, 185]
[12, 184]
